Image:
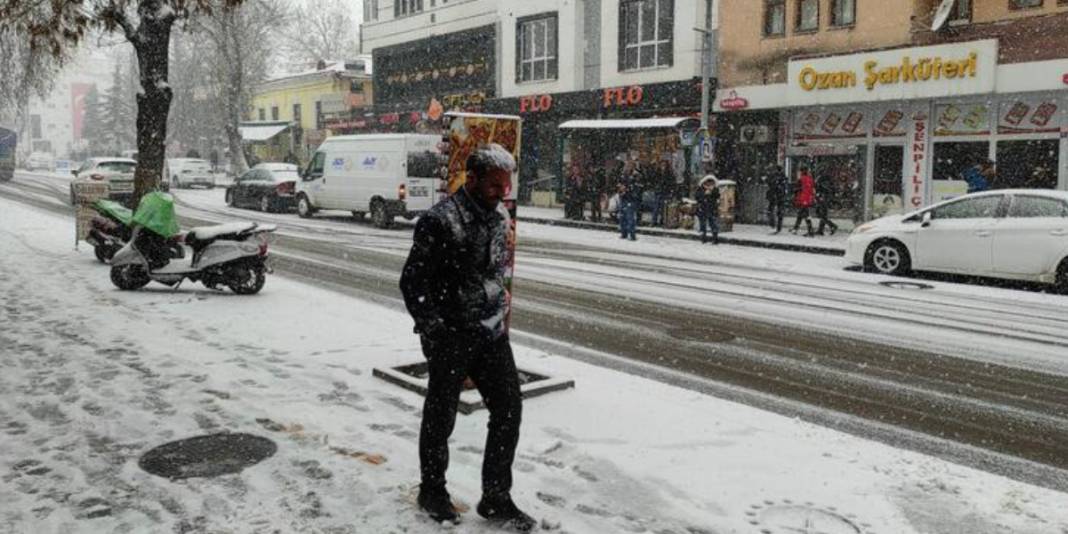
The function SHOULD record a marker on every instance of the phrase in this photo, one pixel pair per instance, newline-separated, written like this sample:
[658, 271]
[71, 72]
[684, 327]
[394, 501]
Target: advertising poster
[961, 119]
[464, 133]
[831, 124]
[85, 194]
[1029, 116]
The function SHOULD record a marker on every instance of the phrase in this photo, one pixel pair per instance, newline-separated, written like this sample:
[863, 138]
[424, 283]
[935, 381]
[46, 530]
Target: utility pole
[706, 75]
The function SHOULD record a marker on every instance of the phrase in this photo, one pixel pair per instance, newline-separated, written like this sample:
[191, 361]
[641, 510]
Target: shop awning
[251, 131]
[631, 124]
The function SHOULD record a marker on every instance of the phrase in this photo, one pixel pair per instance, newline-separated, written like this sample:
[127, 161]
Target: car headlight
[863, 228]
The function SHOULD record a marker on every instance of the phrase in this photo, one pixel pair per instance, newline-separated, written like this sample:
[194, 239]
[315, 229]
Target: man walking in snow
[453, 286]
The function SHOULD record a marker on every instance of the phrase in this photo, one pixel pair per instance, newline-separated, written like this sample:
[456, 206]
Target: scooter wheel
[246, 279]
[102, 254]
[129, 277]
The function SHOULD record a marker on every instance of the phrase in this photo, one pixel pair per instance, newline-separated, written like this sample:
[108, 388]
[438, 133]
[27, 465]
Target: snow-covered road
[983, 365]
[91, 378]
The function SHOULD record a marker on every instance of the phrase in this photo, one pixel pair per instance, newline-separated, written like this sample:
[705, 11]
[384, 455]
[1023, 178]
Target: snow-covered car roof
[276, 166]
[97, 161]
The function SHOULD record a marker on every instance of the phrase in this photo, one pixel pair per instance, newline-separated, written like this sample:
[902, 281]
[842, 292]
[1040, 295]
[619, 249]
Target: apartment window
[843, 12]
[536, 48]
[646, 30]
[774, 17]
[406, 7]
[962, 11]
[808, 15]
[263, 116]
[318, 115]
[370, 10]
[274, 113]
[1024, 4]
[296, 113]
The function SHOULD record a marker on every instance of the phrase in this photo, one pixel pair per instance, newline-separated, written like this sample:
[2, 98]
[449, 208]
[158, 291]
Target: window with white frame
[370, 10]
[536, 48]
[646, 34]
[406, 7]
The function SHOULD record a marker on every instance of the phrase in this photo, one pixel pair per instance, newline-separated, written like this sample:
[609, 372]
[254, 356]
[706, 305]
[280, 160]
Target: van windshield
[425, 164]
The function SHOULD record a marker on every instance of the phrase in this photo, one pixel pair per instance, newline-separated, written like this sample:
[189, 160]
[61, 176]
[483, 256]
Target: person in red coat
[804, 199]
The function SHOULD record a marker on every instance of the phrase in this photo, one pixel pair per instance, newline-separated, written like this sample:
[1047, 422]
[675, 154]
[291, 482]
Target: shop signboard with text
[900, 74]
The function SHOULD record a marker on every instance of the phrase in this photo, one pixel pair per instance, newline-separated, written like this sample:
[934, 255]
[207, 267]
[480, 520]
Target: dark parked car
[267, 186]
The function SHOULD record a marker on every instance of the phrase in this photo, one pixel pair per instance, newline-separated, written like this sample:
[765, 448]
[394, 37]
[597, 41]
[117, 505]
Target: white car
[117, 172]
[186, 172]
[1018, 234]
[42, 161]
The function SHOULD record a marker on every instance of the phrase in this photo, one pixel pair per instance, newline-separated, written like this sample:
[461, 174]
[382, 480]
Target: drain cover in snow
[207, 456]
[413, 377]
[906, 285]
[787, 517]
[700, 335]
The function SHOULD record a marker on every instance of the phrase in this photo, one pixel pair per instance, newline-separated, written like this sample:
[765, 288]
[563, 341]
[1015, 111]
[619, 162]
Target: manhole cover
[906, 285]
[701, 335]
[789, 518]
[207, 456]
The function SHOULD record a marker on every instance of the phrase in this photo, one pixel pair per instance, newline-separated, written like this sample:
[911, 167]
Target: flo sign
[900, 74]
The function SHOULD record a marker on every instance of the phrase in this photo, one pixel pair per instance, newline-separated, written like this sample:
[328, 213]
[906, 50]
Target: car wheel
[379, 216]
[358, 215]
[1062, 277]
[265, 204]
[230, 198]
[304, 207]
[887, 257]
[129, 277]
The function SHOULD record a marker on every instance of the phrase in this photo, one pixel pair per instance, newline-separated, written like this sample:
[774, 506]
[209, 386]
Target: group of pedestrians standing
[808, 193]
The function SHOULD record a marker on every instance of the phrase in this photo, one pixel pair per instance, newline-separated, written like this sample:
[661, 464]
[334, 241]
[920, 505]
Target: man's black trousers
[491, 366]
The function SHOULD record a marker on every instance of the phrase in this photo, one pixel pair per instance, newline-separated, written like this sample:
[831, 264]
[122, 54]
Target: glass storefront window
[950, 162]
[844, 176]
[1028, 164]
[887, 191]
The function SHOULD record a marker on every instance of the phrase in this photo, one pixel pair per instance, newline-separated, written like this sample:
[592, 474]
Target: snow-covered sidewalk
[91, 378]
[741, 234]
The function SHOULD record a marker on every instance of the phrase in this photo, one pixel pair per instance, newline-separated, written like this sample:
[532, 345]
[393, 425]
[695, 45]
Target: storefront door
[885, 192]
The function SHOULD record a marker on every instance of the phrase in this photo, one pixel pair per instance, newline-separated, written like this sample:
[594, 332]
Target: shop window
[1029, 164]
[403, 8]
[969, 208]
[536, 48]
[774, 17]
[1034, 207]
[1024, 4]
[843, 12]
[808, 15]
[952, 159]
[646, 34]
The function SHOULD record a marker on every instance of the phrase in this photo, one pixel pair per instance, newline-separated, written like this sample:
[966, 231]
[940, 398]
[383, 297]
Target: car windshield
[117, 166]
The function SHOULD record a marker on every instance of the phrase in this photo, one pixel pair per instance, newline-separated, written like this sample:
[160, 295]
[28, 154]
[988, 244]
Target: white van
[385, 175]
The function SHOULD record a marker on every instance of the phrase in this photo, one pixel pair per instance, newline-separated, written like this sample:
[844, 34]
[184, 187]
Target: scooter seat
[210, 233]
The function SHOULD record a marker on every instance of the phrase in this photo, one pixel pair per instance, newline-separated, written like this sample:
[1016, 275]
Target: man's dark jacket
[453, 280]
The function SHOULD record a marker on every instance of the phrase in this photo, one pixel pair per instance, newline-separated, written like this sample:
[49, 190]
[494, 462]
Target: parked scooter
[111, 230]
[232, 255]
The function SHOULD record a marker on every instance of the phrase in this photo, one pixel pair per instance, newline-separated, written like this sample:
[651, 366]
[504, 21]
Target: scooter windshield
[156, 213]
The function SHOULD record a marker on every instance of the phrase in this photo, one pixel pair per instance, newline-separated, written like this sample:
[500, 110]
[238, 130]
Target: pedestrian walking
[824, 199]
[630, 200]
[453, 286]
[707, 198]
[594, 190]
[804, 198]
[778, 193]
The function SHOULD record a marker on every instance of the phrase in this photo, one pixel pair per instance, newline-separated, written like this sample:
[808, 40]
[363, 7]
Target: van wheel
[304, 207]
[887, 257]
[379, 216]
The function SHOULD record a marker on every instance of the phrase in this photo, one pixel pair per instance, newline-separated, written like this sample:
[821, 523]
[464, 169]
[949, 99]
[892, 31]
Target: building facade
[301, 106]
[54, 123]
[892, 105]
[548, 62]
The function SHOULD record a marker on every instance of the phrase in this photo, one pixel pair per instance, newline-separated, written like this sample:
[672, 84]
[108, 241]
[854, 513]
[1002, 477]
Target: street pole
[706, 75]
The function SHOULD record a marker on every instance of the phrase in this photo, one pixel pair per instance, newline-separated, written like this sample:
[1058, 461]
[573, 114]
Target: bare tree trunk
[152, 44]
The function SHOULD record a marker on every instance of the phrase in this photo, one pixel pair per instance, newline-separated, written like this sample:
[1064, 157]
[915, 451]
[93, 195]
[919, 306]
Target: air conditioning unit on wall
[755, 134]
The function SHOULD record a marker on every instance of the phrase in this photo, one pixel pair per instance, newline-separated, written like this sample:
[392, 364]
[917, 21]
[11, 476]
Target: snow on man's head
[488, 157]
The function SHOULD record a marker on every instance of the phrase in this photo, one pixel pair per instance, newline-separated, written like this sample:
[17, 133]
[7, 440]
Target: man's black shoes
[504, 512]
[438, 505]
